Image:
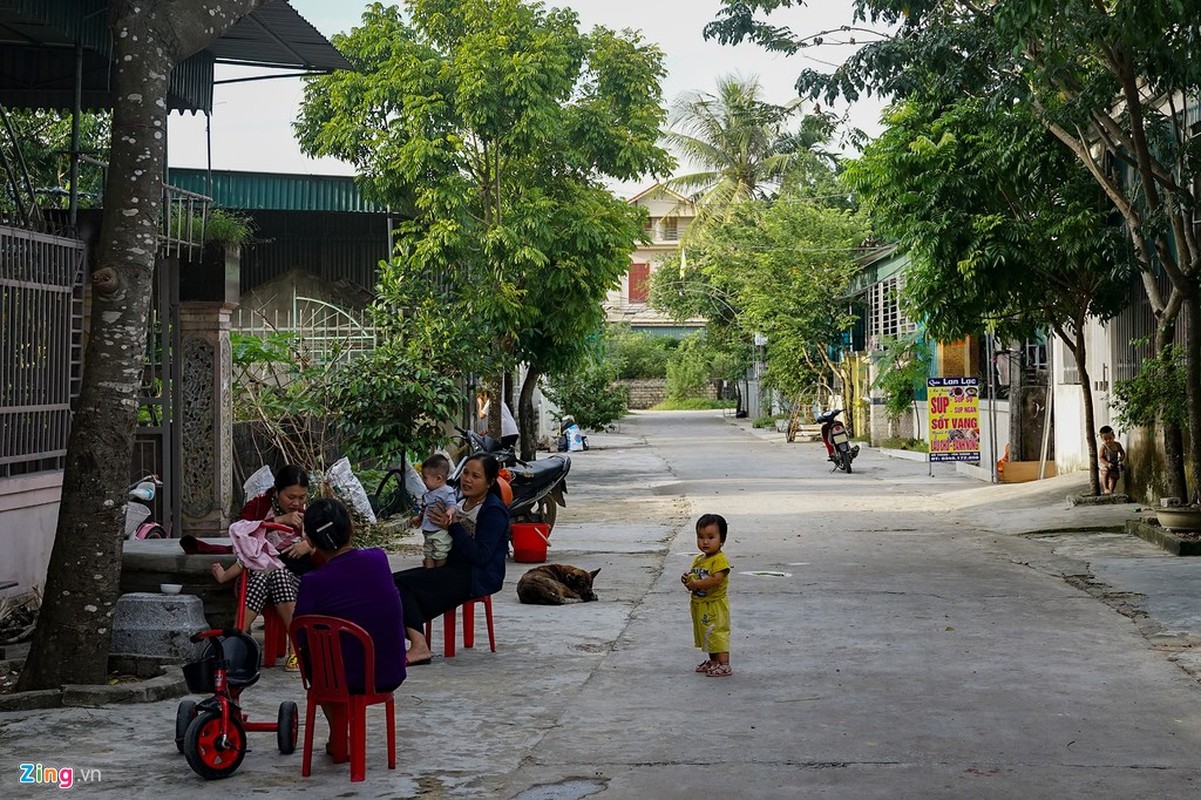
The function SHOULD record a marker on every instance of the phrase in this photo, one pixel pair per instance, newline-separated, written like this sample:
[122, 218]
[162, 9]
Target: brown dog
[556, 585]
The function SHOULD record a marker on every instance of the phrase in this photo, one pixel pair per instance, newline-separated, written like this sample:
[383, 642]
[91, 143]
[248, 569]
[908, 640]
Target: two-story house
[670, 214]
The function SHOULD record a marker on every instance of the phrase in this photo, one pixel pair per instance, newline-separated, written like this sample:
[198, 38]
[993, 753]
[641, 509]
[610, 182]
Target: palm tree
[743, 145]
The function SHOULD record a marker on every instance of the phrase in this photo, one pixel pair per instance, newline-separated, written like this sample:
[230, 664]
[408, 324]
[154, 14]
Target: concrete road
[893, 638]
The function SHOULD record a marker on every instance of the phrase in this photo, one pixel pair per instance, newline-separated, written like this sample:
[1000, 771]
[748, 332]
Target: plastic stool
[448, 626]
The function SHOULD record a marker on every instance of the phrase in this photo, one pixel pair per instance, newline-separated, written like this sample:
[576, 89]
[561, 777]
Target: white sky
[251, 122]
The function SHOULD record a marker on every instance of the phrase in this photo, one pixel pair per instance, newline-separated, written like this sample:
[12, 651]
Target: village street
[893, 637]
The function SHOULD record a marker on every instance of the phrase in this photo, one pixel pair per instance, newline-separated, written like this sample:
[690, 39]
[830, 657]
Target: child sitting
[434, 472]
[1111, 460]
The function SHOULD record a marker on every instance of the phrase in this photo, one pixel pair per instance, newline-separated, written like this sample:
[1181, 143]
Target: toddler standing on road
[707, 580]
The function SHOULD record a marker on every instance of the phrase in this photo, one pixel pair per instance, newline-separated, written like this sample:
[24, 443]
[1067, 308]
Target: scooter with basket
[212, 733]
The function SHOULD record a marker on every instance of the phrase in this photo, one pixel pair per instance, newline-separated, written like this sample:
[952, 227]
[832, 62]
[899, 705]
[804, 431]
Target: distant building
[670, 216]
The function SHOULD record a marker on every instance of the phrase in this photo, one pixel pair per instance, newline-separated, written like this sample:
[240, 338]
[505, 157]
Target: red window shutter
[640, 283]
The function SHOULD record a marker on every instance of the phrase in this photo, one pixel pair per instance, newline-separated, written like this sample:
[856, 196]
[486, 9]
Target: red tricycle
[212, 733]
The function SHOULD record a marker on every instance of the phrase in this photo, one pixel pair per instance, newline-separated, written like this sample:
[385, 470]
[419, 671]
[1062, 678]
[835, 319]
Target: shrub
[638, 355]
[589, 395]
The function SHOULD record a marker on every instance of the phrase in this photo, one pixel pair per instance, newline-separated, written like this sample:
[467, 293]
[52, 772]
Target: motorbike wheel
[183, 718]
[548, 510]
[211, 752]
[289, 727]
[846, 462]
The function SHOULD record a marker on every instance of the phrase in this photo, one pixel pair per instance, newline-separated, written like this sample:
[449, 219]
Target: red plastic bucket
[530, 540]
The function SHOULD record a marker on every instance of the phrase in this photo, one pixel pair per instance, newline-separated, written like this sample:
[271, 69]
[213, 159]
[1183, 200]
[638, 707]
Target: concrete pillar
[207, 298]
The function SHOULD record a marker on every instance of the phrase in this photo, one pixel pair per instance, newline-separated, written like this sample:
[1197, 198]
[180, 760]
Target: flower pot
[1179, 519]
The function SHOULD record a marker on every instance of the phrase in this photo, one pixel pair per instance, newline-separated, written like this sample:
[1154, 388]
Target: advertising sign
[954, 418]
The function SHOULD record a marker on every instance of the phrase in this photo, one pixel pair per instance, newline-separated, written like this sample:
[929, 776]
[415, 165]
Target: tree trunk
[526, 423]
[71, 642]
[1175, 483]
[1079, 351]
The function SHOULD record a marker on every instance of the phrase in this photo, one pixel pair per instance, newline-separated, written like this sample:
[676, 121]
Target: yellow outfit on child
[711, 607]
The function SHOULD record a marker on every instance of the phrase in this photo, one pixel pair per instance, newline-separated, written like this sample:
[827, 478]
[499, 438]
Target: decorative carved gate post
[209, 294]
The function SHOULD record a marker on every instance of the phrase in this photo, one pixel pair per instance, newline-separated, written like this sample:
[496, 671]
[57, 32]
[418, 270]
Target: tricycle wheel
[289, 727]
[214, 750]
[183, 718]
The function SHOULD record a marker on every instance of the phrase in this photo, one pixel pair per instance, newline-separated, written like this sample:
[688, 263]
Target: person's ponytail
[327, 524]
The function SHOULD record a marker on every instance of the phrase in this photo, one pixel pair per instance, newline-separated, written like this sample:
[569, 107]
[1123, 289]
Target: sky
[251, 122]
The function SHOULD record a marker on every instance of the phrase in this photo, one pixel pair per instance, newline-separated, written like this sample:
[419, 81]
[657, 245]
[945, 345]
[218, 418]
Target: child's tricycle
[212, 733]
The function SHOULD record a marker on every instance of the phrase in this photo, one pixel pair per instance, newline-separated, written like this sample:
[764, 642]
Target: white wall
[28, 521]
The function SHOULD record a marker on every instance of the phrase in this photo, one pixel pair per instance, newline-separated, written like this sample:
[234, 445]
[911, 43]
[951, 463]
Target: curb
[1172, 542]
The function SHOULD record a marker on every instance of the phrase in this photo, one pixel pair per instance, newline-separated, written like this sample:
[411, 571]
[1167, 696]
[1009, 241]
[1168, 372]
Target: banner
[954, 418]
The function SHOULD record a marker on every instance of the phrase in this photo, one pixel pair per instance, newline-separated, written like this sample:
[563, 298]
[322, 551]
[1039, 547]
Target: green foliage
[278, 383]
[775, 268]
[764, 422]
[913, 445]
[902, 369]
[44, 140]
[589, 394]
[228, 227]
[745, 146]
[1159, 391]
[1002, 223]
[494, 122]
[638, 355]
[692, 367]
[692, 404]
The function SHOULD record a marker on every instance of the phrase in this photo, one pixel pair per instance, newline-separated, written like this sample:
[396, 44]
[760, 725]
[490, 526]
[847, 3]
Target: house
[669, 216]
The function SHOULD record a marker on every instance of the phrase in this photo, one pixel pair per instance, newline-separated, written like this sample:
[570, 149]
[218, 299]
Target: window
[671, 231]
[885, 316]
[639, 283]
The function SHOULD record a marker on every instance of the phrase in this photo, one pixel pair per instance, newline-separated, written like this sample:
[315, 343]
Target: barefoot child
[707, 581]
[1111, 458]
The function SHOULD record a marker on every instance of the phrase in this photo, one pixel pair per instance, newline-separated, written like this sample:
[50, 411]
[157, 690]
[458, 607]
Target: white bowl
[170, 588]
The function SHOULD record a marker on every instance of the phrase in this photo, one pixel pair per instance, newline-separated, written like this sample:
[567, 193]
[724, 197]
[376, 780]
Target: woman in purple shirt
[354, 585]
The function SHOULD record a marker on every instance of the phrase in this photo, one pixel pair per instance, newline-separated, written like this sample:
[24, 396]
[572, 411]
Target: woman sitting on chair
[476, 564]
[354, 585]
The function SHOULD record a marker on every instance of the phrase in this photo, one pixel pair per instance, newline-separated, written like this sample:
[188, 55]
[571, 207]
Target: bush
[692, 404]
[589, 395]
[638, 355]
[764, 422]
[689, 369]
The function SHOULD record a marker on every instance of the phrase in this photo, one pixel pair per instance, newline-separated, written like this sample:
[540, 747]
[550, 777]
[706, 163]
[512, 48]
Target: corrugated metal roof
[253, 191]
[37, 56]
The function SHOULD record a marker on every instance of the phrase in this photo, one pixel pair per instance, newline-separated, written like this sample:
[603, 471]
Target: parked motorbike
[140, 510]
[538, 486]
[837, 439]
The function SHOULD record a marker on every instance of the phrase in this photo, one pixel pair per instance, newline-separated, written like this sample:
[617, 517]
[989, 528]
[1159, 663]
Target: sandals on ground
[719, 671]
[705, 665]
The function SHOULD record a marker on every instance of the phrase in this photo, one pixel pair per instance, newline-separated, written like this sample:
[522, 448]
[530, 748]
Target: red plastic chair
[324, 678]
[275, 637]
[448, 626]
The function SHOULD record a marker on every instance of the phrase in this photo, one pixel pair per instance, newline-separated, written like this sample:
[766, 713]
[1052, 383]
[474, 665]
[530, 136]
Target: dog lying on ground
[556, 585]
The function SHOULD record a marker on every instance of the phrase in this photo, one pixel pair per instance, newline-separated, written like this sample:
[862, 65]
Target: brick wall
[651, 391]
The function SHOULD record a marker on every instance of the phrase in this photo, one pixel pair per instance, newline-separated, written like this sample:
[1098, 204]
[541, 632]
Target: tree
[44, 142]
[495, 121]
[743, 145]
[775, 267]
[1007, 231]
[149, 38]
[1112, 82]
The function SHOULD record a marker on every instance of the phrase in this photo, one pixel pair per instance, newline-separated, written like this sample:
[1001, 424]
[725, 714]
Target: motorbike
[538, 486]
[140, 509]
[837, 439]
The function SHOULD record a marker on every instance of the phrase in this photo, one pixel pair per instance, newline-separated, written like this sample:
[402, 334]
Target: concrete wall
[28, 521]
